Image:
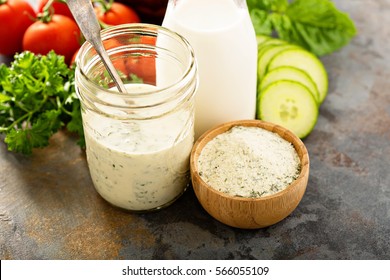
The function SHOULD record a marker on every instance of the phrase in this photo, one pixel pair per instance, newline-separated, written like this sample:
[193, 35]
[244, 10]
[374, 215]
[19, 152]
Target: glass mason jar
[138, 143]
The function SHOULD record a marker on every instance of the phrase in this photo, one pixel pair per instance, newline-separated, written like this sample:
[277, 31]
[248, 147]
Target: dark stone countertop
[50, 210]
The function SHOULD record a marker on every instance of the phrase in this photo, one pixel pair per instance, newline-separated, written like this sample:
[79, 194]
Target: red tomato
[116, 14]
[143, 67]
[74, 56]
[60, 34]
[59, 8]
[15, 17]
[118, 62]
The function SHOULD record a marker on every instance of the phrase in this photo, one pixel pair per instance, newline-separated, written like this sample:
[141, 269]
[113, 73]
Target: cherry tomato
[143, 67]
[60, 34]
[116, 59]
[116, 13]
[15, 17]
[118, 62]
[74, 56]
[59, 8]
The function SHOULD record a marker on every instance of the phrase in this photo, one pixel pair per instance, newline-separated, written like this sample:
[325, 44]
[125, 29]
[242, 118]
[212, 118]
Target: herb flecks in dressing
[141, 165]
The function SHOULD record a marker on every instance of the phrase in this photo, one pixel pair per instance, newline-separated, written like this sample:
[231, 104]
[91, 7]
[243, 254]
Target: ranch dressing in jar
[138, 143]
[224, 41]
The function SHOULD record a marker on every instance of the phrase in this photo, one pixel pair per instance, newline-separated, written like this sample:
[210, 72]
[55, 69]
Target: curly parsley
[316, 25]
[37, 98]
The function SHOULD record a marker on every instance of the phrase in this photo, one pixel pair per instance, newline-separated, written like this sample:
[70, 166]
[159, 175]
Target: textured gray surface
[49, 209]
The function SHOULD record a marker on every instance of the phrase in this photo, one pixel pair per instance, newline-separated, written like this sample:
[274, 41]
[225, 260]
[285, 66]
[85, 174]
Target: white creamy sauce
[138, 166]
[249, 162]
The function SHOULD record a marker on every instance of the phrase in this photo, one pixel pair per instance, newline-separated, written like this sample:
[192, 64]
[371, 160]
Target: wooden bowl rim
[280, 130]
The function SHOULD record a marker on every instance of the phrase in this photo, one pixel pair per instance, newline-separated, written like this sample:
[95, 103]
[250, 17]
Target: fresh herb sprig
[316, 25]
[37, 98]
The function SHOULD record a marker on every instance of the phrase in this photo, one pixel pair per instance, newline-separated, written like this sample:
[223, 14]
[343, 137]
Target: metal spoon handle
[84, 14]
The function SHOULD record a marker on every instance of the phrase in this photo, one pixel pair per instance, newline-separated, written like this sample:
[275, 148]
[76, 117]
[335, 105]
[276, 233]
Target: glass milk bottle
[224, 42]
[138, 143]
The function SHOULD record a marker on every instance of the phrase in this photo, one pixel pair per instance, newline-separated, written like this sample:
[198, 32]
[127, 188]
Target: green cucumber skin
[308, 84]
[290, 57]
[290, 73]
[267, 55]
[309, 122]
[271, 41]
[262, 39]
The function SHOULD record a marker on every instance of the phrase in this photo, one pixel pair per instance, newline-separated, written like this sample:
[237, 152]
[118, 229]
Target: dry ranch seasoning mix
[249, 162]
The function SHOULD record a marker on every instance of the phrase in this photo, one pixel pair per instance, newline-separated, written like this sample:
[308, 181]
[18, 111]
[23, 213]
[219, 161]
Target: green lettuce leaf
[316, 25]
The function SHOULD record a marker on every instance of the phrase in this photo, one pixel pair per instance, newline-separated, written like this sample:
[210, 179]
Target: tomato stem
[105, 5]
[48, 5]
[47, 12]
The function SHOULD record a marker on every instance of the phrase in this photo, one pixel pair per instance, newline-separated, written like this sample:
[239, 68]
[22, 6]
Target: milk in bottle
[222, 36]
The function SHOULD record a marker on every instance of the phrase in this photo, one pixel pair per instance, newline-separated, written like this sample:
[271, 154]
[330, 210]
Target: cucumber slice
[306, 61]
[289, 104]
[262, 38]
[271, 41]
[267, 54]
[291, 74]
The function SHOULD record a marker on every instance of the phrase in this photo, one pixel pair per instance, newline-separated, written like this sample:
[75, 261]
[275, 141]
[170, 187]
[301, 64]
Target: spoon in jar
[84, 14]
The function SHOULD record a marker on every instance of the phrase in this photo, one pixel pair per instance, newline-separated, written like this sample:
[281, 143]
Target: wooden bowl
[250, 213]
